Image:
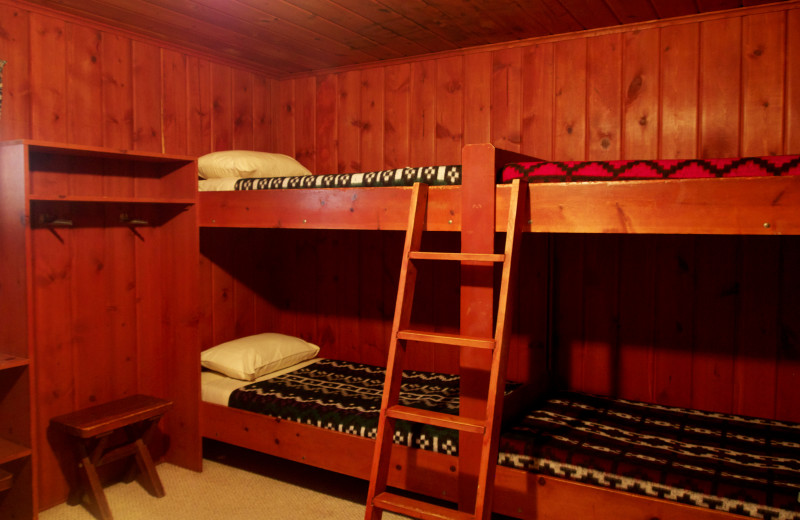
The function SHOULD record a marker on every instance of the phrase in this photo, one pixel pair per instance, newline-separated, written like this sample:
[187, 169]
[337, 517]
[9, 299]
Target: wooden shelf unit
[101, 262]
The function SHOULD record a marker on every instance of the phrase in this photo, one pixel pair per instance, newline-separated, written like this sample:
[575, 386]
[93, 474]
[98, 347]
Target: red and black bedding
[237, 170]
[586, 171]
[740, 465]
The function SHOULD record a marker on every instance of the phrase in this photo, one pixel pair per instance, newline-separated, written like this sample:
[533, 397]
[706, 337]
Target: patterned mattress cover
[534, 172]
[583, 171]
[741, 465]
[431, 175]
[346, 397]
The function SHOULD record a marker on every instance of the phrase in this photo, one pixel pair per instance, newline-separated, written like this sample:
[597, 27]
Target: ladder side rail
[394, 366]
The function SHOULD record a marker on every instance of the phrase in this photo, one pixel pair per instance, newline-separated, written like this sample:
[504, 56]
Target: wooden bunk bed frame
[729, 206]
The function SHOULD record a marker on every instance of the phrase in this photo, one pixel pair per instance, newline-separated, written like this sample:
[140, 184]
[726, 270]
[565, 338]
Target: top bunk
[749, 196]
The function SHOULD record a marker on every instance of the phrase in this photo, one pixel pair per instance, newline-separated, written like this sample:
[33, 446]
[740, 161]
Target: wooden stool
[135, 417]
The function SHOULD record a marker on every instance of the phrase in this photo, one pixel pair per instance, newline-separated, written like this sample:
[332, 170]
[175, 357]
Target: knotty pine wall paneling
[222, 107]
[84, 79]
[604, 105]
[506, 98]
[569, 106]
[679, 91]
[174, 80]
[763, 61]
[148, 97]
[641, 78]
[538, 88]
[792, 100]
[117, 92]
[720, 87]
[15, 48]
[667, 318]
[48, 106]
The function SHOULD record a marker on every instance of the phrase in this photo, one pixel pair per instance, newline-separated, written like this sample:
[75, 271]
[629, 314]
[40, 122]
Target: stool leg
[94, 489]
[150, 479]
[89, 482]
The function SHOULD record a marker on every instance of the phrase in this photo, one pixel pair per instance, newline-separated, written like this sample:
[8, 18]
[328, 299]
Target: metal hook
[127, 219]
[52, 221]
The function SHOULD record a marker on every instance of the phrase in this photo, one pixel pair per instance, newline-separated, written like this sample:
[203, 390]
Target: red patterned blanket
[578, 171]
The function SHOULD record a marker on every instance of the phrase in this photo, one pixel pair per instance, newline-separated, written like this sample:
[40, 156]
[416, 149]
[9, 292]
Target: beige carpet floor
[234, 485]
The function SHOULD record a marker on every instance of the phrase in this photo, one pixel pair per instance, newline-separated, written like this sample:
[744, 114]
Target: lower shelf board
[5, 480]
[12, 451]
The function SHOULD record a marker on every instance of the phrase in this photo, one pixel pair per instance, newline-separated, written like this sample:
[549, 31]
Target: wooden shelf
[10, 361]
[6, 479]
[47, 147]
[69, 173]
[12, 451]
[113, 200]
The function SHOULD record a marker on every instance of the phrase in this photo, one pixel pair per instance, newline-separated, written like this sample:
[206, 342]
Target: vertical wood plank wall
[688, 321]
[711, 322]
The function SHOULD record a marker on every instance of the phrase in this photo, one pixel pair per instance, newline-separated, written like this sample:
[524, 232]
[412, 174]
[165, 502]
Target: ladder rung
[418, 508]
[458, 257]
[443, 420]
[446, 339]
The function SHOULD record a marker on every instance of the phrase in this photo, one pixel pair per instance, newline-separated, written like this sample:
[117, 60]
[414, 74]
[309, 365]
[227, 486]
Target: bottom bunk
[565, 456]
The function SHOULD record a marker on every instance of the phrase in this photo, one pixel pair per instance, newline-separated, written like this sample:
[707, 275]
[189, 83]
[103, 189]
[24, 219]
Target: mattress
[740, 465]
[533, 172]
[346, 397]
[432, 175]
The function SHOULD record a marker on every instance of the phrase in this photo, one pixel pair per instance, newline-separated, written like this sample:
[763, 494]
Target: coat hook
[127, 219]
[52, 221]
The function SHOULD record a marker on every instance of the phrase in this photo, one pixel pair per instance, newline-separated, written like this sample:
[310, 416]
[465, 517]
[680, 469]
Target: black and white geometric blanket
[740, 465]
[431, 175]
[346, 397]
[736, 464]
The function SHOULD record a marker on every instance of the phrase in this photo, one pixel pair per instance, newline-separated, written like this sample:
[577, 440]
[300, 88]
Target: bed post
[477, 297]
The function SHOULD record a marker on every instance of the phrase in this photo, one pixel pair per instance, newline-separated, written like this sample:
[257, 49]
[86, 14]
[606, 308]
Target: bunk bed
[541, 474]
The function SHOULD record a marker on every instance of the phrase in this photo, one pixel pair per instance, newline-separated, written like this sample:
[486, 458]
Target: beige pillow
[246, 163]
[254, 356]
[223, 184]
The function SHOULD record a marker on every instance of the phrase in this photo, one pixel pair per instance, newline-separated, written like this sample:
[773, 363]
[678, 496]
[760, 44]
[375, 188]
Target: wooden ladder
[379, 499]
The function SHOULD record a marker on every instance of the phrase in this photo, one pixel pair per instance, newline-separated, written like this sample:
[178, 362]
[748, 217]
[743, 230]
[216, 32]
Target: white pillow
[254, 356]
[247, 163]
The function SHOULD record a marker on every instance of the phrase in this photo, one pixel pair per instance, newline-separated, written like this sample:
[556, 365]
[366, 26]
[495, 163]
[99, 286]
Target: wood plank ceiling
[284, 37]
